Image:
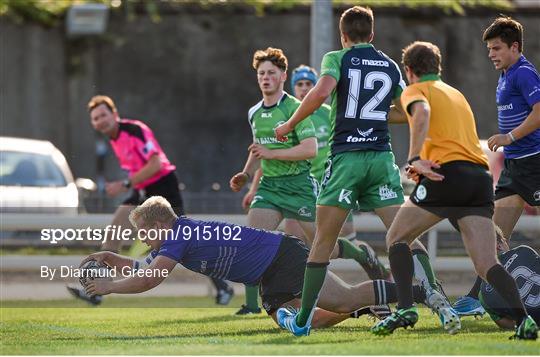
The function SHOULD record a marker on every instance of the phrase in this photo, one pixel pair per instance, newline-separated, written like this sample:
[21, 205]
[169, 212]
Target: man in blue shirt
[273, 260]
[518, 106]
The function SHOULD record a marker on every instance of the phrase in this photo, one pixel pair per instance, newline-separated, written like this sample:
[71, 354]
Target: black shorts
[467, 190]
[521, 177]
[167, 186]
[283, 280]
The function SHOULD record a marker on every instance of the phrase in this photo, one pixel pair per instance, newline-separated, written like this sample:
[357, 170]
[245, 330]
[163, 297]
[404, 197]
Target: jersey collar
[277, 103]
[429, 77]
[362, 45]
[517, 64]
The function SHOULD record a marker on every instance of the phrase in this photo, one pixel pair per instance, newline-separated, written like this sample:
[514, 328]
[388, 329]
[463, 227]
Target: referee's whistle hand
[425, 168]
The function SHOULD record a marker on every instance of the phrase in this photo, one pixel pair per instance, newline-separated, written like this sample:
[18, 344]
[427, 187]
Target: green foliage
[207, 331]
[49, 12]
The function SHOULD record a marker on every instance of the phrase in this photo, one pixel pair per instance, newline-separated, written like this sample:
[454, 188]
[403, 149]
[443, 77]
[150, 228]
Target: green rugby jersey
[367, 81]
[264, 120]
[321, 122]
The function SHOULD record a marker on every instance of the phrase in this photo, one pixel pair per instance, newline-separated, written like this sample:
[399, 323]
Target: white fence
[362, 223]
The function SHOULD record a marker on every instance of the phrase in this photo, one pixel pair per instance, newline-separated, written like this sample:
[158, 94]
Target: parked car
[35, 177]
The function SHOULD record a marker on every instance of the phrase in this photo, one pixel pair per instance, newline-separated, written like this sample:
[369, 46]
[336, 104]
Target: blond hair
[97, 100]
[155, 209]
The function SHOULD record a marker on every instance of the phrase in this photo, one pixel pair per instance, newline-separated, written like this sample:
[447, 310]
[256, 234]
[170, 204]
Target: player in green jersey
[363, 83]
[286, 189]
[303, 79]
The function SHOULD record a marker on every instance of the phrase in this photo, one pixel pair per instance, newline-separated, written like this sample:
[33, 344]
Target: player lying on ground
[245, 255]
[523, 264]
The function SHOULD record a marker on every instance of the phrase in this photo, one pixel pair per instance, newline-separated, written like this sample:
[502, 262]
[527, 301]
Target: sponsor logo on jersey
[536, 195]
[322, 131]
[267, 140]
[266, 114]
[367, 62]
[364, 136]
[345, 195]
[505, 107]
[421, 193]
[304, 212]
[355, 61]
[386, 193]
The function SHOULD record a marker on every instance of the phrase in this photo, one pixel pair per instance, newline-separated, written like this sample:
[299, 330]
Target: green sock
[252, 296]
[313, 282]
[348, 250]
[423, 270]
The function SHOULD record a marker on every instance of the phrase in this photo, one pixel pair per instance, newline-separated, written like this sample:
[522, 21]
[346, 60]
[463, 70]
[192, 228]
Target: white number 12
[368, 110]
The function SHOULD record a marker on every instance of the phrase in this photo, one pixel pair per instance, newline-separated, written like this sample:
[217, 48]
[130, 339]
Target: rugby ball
[93, 270]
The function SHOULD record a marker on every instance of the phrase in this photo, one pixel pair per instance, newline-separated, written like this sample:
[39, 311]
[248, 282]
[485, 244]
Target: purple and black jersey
[517, 91]
[221, 250]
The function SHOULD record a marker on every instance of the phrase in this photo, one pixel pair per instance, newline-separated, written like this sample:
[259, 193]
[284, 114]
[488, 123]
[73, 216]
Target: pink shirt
[134, 146]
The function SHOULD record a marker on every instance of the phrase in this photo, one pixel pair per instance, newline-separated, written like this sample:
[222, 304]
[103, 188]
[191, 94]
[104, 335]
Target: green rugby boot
[401, 318]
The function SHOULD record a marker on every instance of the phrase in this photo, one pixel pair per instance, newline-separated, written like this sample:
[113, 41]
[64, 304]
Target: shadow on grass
[204, 320]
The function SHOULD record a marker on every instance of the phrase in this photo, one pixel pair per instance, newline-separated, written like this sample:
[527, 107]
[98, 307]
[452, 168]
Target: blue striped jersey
[221, 250]
[517, 91]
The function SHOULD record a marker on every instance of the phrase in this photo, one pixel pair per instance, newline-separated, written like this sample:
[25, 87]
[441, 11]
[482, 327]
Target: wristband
[511, 136]
[413, 159]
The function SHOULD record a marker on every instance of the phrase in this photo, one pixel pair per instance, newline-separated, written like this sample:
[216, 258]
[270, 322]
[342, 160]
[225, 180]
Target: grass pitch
[144, 326]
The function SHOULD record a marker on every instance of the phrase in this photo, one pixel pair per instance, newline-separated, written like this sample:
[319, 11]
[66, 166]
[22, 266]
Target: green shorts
[293, 196]
[363, 180]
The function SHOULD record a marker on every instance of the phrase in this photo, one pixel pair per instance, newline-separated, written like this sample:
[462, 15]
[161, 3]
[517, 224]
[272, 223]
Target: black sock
[363, 311]
[401, 263]
[475, 290]
[220, 284]
[506, 286]
[385, 292]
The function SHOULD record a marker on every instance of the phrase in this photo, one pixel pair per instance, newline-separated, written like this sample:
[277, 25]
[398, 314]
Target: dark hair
[101, 99]
[422, 58]
[508, 29]
[274, 55]
[357, 23]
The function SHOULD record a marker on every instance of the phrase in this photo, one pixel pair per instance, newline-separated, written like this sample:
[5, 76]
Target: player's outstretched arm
[307, 149]
[147, 279]
[313, 100]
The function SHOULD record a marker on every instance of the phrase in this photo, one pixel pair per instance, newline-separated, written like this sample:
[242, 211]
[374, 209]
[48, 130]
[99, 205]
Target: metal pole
[322, 31]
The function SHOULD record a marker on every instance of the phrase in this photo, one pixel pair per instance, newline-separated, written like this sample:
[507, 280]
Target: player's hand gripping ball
[92, 270]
